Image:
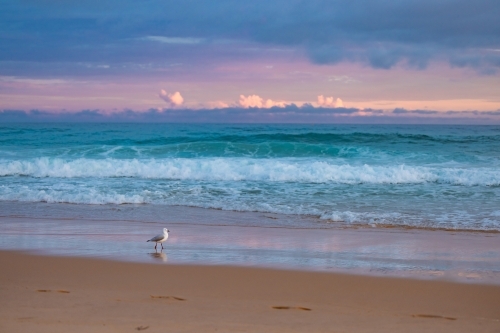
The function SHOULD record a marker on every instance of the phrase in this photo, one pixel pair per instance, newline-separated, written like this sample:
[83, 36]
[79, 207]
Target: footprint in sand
[169, 297]
[291, 308]
[433, 316]
[142, 328]
[48, 291]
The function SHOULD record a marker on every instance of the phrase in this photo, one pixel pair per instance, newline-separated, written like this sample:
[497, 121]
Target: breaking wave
[247, 169]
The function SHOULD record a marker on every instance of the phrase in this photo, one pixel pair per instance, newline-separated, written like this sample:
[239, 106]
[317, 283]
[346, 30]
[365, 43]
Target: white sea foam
[74, 195]
[458, 220]
[361, 217]
[449, 220]
[240, 169]
[93, 193]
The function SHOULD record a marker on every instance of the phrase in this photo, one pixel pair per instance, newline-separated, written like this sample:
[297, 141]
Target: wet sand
[62, 294]
[422, 254]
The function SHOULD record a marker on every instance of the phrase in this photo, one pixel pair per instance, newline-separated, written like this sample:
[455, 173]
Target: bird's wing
[156, 238]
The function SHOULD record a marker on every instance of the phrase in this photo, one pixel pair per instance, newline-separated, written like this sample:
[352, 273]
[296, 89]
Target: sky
[273, 60]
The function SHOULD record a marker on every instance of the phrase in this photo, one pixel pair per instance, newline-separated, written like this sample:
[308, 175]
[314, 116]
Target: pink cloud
[339, 103]
[255, 101]
[330, 102]
[173, 100]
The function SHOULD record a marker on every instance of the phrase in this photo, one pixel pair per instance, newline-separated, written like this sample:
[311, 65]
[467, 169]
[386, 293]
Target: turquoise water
[383, 175]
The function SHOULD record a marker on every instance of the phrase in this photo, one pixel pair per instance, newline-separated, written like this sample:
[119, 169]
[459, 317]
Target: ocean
[324, 176]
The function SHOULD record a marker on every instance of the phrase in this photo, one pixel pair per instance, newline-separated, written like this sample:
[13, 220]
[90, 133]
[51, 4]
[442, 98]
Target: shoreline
[208, 214]
[60, 294]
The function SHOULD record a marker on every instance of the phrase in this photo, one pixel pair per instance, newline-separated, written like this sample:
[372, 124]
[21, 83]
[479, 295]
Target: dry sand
[55, 294]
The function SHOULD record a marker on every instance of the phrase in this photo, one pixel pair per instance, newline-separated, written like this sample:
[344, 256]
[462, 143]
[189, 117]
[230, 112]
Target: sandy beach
[61, 294]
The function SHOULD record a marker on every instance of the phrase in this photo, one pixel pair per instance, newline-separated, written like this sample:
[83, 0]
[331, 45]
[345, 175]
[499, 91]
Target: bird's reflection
[159, 256]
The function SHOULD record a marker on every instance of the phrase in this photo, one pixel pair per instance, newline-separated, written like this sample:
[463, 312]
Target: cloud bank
[127, 34]
[287, 114]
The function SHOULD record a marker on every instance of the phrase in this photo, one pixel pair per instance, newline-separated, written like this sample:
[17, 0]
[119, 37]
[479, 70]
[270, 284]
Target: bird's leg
[156, 245]
[161, 246]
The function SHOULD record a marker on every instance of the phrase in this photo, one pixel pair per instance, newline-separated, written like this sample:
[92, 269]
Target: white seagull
[160, 238]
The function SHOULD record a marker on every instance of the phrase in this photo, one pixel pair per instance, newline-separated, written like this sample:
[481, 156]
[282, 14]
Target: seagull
[160, 238]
